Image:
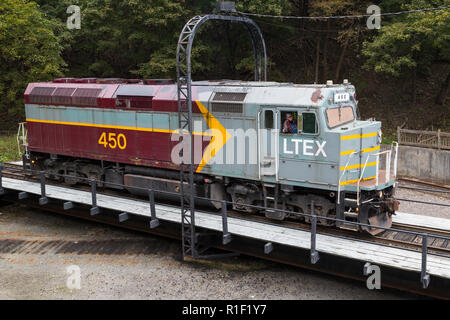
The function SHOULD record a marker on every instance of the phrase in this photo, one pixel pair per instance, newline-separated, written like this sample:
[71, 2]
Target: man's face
[289, 118]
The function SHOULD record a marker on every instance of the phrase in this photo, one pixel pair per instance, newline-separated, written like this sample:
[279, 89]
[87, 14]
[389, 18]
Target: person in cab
[290, 125]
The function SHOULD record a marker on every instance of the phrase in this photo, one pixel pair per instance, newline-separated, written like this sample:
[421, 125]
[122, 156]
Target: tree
[411, 43]
[29, 51]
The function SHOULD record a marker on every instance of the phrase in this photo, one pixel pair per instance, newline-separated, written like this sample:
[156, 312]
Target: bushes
[29, 51]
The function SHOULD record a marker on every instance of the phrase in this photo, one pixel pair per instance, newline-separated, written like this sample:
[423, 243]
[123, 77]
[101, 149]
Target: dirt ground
[36, 248]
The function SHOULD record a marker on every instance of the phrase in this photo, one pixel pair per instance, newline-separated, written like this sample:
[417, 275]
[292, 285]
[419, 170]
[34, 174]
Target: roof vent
[41, 95]
[228, 102]
[63, 96]
[86, 97]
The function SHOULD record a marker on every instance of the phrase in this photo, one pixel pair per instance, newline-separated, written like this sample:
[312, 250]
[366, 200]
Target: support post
[439, 139]
[424, 277]
[43, 200]
[2, 191]
[154, 222]
[185, 120]
[68, 205]
[226, 234]
[23, 195]
[123, 217]
[94, 210]
[268, 248]
[314, 253]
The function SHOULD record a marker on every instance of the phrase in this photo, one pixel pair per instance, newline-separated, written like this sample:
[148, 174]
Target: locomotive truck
[123, 133]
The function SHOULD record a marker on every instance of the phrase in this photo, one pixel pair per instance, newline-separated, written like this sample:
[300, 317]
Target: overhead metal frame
[184, 89]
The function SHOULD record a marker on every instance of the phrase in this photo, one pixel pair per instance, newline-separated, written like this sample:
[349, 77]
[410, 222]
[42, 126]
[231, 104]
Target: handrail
[342, 175]
[22, 135]
[395, 158]
[259, 143]
[388, 152]
[277, 146]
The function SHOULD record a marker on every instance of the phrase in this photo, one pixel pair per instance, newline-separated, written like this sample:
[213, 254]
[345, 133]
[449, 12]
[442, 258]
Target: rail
[388, 154]
[227, 237]
[425, 139]
[22, 139]
[342, 175]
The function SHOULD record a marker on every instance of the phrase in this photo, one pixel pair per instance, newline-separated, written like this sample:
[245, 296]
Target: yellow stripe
[371, 149]
[354, 166]
[112, 127]
[357, 136]
[354, 181]
[344, 153]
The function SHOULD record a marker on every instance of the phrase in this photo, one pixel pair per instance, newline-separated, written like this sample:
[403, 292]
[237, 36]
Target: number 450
[113, 142]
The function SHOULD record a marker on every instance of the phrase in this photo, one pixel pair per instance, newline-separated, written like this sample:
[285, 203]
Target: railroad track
[425, 183]
[389, 237]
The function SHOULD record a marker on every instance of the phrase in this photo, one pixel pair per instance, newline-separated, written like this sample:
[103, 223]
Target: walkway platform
[353, 249]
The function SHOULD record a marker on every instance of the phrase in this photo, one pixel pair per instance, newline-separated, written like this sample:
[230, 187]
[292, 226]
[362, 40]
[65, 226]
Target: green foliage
[120, 38]
[8, 148]
[275, 7]
[410, 41]
[137, 38]
[29, 51]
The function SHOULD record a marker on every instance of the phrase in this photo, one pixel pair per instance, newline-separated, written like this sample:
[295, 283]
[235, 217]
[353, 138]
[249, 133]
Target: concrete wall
[425, 164]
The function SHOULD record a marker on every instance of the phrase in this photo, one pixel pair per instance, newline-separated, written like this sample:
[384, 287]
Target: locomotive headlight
[380, 136]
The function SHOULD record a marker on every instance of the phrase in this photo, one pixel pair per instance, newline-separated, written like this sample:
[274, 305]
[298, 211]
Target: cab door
[268, 139]
[304, 154]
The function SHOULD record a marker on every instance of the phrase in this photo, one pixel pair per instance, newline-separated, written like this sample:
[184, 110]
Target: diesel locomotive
[268, 144]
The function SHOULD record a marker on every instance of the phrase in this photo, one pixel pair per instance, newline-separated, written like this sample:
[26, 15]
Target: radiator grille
[230, 96]
[63, 96]
[41, 95]
[227, 107]
[228, 102]
[86, 97]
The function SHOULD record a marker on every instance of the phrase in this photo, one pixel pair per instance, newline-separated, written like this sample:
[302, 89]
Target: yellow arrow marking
[219, 138]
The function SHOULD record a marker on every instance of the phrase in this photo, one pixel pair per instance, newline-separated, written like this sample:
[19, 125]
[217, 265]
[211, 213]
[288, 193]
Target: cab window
[268, 119]
[289, 122]
[293, 122]
[309, 123]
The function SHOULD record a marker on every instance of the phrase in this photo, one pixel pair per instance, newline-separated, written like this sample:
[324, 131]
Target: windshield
[340, 115]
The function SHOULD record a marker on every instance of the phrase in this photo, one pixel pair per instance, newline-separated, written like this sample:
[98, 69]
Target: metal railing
[342, 176]
[387, 163]
[227, 236]
[425, 139]
[22, 139]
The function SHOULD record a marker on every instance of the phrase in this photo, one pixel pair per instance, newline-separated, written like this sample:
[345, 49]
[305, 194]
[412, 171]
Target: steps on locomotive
[349, 213]
[272, 213]
[350, 226]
